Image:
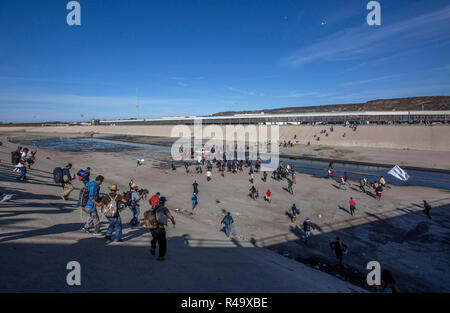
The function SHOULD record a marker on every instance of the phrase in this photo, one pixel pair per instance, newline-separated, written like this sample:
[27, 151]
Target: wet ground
[158, 149]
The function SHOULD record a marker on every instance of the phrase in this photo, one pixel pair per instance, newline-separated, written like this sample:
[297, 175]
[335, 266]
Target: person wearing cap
[135, 208]
[66, 183]
[91, 205]
[115, 222]
[159, 233]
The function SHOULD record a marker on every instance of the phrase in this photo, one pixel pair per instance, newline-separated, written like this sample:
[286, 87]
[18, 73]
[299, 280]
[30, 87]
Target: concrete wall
[419, 137]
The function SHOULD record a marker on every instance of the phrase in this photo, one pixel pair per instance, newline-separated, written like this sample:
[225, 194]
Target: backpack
[84, 197]
[153, 218]
[127, 197]
[83, 174]
[111, 207]
[150, 219]
[58, 175]
[227, 220]
[15, 157]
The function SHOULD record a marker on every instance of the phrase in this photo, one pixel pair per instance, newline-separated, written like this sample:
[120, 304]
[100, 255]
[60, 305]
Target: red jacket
[154, 200]
[268, 193]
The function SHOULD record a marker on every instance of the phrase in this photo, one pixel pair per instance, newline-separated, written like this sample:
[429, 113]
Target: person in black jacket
[339, 248]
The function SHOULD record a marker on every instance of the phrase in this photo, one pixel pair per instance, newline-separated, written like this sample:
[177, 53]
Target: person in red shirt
[268, 194]
[352, 206]
[154, 200]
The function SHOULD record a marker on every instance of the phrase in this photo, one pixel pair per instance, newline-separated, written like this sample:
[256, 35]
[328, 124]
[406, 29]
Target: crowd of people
[22, 158]
[93, 202]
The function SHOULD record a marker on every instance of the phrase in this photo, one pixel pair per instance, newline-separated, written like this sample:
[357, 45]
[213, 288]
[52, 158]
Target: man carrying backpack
[194, 200]
[91, 205]
[66, 182]
[111, 202]
[227, 221]
[161, 214]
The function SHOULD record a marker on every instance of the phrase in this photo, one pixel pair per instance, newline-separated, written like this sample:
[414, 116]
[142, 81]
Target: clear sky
[199, 57]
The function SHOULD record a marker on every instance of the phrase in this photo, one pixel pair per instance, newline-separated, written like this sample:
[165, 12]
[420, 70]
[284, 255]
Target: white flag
[397, 172]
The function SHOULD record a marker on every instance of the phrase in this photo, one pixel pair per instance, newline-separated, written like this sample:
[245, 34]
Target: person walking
[264, 176]
[195, 185]
[382, 182]
[352, 204]
[252, 177]
[307, 229]
[290, 189]
[208, 175]
[194, 200]
[154, 200]
[268, 195]
[22, 170]
[112, 202]
[295, 211]
[66, 184]
[339, 249]
[134, 207]
[227, 221]
[379, 190]
[427, 208]
[159, 233]
[253, 192]
[91, 206]
[362, 185]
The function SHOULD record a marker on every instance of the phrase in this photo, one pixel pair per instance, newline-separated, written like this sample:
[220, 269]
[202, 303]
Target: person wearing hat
[135, 208]
[115, 222]
[66, 183]
[159, 233]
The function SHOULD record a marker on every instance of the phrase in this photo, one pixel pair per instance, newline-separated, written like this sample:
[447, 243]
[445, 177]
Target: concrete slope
[40, 234]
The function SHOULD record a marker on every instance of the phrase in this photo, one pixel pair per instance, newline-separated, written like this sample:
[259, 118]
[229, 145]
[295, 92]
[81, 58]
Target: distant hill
[398, 104]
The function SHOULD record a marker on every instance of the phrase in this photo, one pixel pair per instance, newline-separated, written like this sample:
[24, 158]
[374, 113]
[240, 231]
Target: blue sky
[200, 57]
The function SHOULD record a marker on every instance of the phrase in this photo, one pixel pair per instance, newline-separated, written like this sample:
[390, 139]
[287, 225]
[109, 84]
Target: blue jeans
[135, 210]
[115, 224]
[194, 203]
[22, 173]
[228, 229]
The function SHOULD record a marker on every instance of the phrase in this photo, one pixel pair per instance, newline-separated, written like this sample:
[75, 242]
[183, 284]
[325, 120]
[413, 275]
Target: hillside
[398, 104]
